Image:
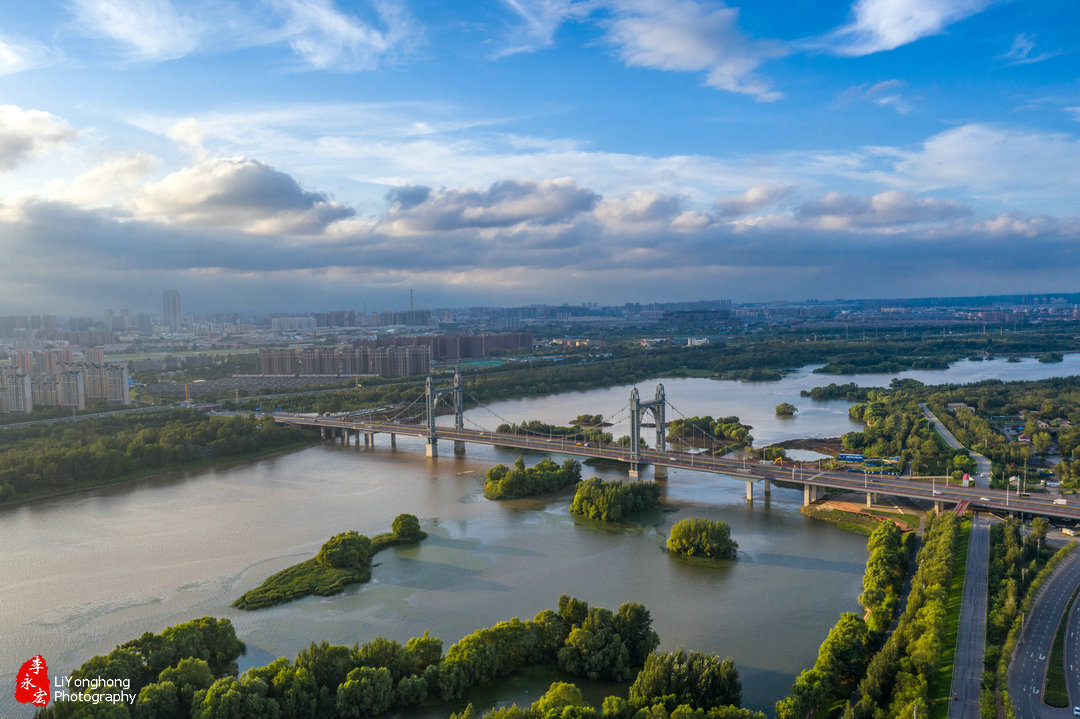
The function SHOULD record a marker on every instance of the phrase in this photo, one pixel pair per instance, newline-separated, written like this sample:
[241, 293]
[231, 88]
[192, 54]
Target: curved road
[1072, 654]
[1027, 672]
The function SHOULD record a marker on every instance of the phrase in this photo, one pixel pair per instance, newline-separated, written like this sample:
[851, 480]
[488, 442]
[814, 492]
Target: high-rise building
[172, 310]
[278, 361]
[15, 391]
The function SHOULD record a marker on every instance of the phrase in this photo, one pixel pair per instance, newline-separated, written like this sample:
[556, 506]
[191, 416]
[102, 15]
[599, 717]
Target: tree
[693, 678]
[693, 536]
[366, 692]
[406, 526]
[348, 550]
[786, 409]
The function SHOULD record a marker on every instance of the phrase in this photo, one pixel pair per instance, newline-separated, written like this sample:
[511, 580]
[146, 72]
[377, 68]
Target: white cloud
[504, 204]
[890, 209]
[17, 55]
[25, 134]
[327, 38]
[641, 207]
[1005, 164]
[887, 93]
[693, 36]
[238, 193]
[880, 25]
[188, 134]
[112, 181]
[151, 29]
[755, 198]
[539, 21]
[1023, 52]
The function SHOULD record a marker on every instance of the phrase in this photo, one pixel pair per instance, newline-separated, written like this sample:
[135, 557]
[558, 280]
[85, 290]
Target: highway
[746, 470]
[1027, 672]
[1072, 654]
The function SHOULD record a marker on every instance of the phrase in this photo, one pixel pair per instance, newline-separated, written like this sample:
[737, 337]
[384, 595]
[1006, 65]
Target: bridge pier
[432, 449]
[459, 447]
[393, 440]
[938, 507]
[810, 494]
[322, 432]
[749, 491]
[871, 497]
[659, 472]
[635, 471]
[767, 488]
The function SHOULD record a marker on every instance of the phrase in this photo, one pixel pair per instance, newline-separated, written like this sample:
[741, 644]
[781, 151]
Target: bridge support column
[810, 494]
[938, 507]
[393, 440]
[322, 432]
[870, 499]
[659, 472]
[767, 487]
[635, 471]
[369, 439]
[459, 447]
[749, 491]
[432, 447]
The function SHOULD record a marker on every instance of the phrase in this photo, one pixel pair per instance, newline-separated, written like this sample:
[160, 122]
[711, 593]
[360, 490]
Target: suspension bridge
[418, 419]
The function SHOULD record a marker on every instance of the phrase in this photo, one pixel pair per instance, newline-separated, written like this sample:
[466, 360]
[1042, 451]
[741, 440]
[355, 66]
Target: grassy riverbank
[332, 569]
[864, 521]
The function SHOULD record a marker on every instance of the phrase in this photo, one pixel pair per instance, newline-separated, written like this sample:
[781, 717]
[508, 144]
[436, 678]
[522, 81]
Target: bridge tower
[433, 396]
[637, 410]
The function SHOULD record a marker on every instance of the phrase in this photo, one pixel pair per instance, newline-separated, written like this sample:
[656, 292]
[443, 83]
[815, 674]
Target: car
[937, 491]
[1076, 711]
[984, 499]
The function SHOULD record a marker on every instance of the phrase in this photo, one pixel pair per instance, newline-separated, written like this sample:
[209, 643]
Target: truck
[1060, 501]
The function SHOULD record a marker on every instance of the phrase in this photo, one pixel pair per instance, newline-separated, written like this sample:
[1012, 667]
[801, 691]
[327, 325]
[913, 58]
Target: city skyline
[264, 155]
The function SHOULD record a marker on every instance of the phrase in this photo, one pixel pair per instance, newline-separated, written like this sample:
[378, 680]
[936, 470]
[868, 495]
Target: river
[83, 573]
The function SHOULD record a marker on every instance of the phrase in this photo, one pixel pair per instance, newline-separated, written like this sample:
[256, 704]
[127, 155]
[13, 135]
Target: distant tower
[172, 310]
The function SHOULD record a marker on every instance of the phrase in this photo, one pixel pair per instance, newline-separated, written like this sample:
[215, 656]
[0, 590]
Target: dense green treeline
[841, 660]
[501, 482]
[48, 458]
[610, 501]
[179, 663]
[536, 428]
[692, 429]
[696, 537]
[896, 427]
[189, 670]
[850, 391]
[342, 560]
[883, 580]
[1014, 562]
[1018, 565]
[564, 701]
[844, 655]
[897, 678]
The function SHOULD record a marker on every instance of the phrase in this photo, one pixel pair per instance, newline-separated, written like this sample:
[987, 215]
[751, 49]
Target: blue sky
[316, 154]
